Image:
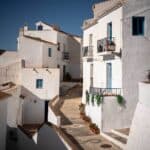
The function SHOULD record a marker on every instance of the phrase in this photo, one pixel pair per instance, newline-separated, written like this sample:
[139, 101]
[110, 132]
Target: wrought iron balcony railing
[106, 45]
[87, 51]
[105, 91]
[65, 55]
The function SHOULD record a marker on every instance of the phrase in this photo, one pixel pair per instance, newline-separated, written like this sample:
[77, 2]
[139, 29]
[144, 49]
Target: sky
[14, 14]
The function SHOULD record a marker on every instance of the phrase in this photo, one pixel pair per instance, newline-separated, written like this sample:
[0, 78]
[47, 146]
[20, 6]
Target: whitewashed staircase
[117, 137]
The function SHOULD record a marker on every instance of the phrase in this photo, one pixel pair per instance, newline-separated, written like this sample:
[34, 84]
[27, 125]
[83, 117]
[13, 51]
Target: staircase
[118, 137]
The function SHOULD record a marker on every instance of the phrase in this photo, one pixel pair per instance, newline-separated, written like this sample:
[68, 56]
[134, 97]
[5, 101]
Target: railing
[105, 91]
[106, 44]
[87, 51]
[65, 55]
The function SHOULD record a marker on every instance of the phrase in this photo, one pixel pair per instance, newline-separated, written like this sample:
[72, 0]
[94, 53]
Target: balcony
[65, 55]
[88, 51]
[105, 91]
[106, 45]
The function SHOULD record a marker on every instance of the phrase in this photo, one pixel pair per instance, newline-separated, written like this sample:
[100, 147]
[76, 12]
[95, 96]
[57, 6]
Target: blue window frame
[39, 83]
[138, 25]
[109, 30]
[109, 75]
[49, 52]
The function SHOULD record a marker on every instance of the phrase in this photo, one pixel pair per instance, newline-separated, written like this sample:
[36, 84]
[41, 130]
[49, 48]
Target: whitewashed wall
[28, 47]
[50, 82]
[102, 115]
[10, 67]
[99, 30]
[3, 123]
[33, 111]
[139, 131]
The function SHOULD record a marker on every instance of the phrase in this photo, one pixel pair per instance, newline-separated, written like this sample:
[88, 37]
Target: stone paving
[76, 127]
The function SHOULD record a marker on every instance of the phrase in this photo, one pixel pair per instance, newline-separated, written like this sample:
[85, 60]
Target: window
[40, 27]
[58, 66]
[49, 52]
[90, 39]
[137, 25]
[39, 83]
[58, 48]
[109, 31]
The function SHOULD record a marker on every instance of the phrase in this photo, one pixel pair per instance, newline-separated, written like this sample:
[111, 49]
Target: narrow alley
[76, 128]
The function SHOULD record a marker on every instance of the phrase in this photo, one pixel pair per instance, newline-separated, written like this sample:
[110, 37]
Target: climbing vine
[99, 99]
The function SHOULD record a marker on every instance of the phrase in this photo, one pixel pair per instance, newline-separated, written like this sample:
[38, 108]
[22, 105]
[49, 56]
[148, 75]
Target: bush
[92, 99]
[120, 99]
[87, 97]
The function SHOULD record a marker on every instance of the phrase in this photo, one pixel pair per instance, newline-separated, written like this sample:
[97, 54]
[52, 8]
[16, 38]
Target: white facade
[139, 132]
[65, 49]
[95, 62]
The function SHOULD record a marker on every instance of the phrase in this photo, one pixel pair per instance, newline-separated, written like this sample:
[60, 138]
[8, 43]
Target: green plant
[99, 99]
[120, 99]
[92, 99]
[87, 97]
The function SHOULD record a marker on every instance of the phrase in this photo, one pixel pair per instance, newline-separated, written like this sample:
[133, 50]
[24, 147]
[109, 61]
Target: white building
[53, 47]
[102, 64]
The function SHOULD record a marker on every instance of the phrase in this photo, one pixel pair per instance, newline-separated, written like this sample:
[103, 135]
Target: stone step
[120, 134]
[115, 139]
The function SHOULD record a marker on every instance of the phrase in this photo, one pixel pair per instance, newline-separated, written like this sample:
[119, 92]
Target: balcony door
[109, 31]
[109, 75]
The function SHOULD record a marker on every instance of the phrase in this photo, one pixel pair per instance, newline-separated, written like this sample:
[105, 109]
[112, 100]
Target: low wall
[10, 73]
[108, 115]
[140, 128]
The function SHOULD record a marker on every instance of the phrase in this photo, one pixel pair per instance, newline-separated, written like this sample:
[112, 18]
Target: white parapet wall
[140, 128]
[108, 115]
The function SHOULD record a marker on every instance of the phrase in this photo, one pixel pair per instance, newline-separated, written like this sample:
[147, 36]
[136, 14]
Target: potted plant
[94, 128]
[82, 115]
[87, 119]
[81, 107]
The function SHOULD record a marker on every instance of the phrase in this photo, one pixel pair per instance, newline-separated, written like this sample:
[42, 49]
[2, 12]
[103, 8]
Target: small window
[137, 25]
[40, 27]
[49, 52]
[58, 66]
[58, 48]
[39, 83]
